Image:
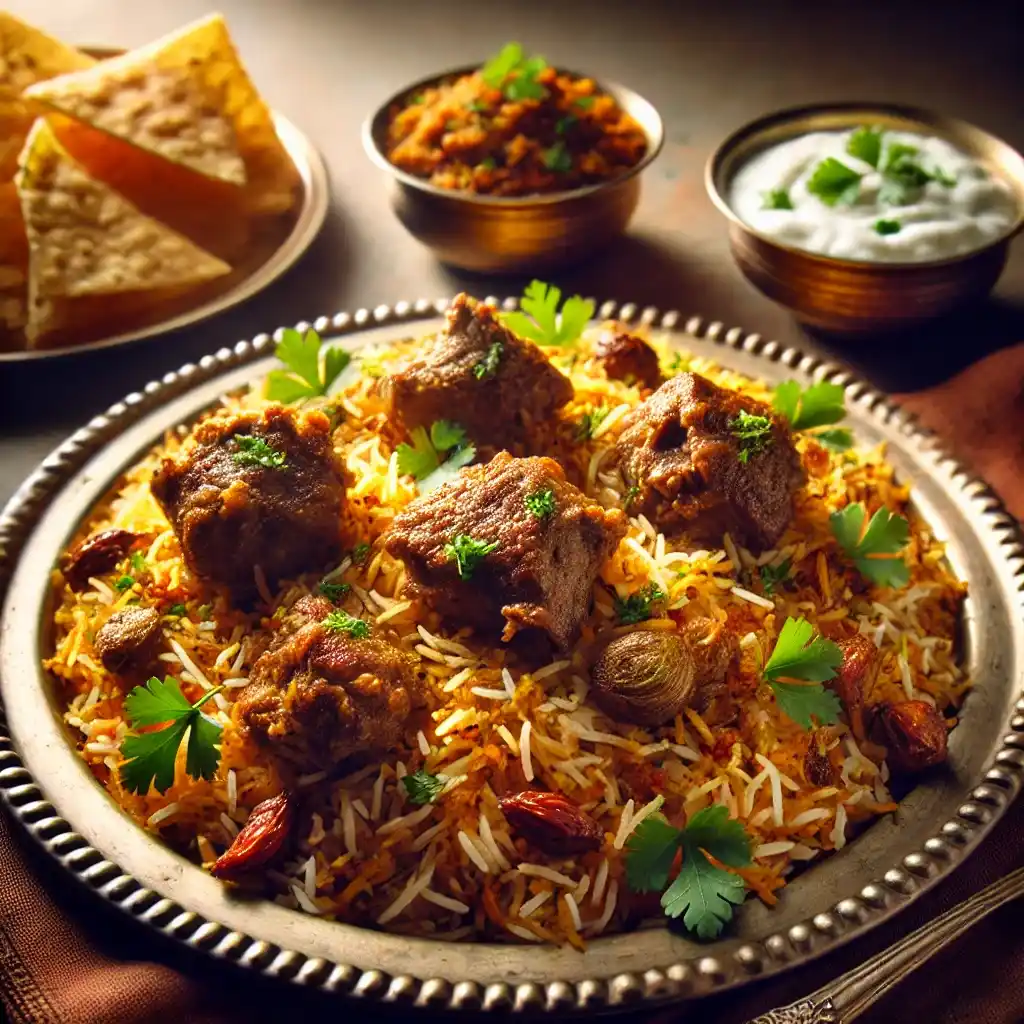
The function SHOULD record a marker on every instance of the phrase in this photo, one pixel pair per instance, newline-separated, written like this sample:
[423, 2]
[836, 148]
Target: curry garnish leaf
[468, 552]
[177, 610]
[540, 504]
[773, 576]
[875, 547]
[885, 226]
[515, 74]
[123, 583]
[590, 421]
[818, 405]
[435, 456]
[339, 621]
[488, 366]
[310, 370]
[833, 182]
[557, 158]
[866, 144]
[799, 664]
[334, 592]
[422, 787]
[150, 756]
[836, 439]
[539, 320]
[776, 199]
[254, 451]
[754, 434]
[636, 607]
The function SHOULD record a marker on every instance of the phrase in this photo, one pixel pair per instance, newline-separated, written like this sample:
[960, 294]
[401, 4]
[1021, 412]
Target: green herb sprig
[488, 366]
[515, 74]
[339, 621]
[753, 432]
[435, 456]
[798, 666]
[875, 547]
[422, 787]
[540, 504]
[310, 367]
[539, 319]
[255, 451]
[468, 552]
[636, 607]
[819, 405]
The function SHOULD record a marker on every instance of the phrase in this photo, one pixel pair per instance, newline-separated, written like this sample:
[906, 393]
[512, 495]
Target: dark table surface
[708, 67]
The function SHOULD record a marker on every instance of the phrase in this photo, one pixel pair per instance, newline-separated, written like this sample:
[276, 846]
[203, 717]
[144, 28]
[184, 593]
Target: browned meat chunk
[476, 372]
[255, 489]
[628, 358]
[96, 555]
[317, 696]
[510, 543]
[127, 640]
[695, 476]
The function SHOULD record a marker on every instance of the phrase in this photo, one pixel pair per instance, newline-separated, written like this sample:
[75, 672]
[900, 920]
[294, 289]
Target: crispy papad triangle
[87, 243]
[27, 57]
[13, 270]
[186, 98]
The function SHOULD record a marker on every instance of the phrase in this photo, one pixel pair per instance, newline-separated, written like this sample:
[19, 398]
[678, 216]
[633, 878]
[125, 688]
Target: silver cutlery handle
[846, 998]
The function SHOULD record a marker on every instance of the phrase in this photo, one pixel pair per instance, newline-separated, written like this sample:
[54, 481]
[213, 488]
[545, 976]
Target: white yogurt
[935, 222]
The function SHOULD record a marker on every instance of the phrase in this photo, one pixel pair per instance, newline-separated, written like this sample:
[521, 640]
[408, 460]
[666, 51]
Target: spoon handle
[849, 995]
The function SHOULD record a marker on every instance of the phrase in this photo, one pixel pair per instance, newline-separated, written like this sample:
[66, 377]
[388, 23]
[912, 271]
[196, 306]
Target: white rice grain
[261, 585]
[440, 900]
[574, 910]
[414, 887]
[232, 787]
[406, 820]
[309, 877]
[304, 902]
[773, 849]
[550, 670]
[751, 598]
[487, 837]
[524, 751]
[609, 909]
[348, 822]
[540, 871]
[424, 745]
[814, 814]
[510, 683]
[192, 667]
[473, 853]
[424, 838]
[600, 881]
[534, 903]
[510, 740]
[163, 814]
[488, 694]
[378, 797]
[775, 777]
[838, 834]
[522, 933]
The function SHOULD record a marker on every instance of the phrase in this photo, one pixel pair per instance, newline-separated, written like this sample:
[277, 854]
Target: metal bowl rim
[752, 129]
[655, 141]
[986, 800]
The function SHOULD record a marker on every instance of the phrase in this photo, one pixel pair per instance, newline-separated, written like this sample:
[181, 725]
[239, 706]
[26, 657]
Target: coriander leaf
[799, 654]
[650, 852]
[894, 193]
[590, 421]
[584, 102]
[887, 227]
[124, 583]
[254, 451]
[807, 704]
[725, 839]
[776, 199]
[156, 702]
[177, 609]
[875, 549]
[679, 363]
[839, 439]
[557, 158]
[703, 894]
[636, 607]
[423, 458]
[488, 366]
[501, 64]
[458, 458]
[301, 354]
[422, 787]
[773, 575]
[540, 504]
[202, 755]
[630, 495]
[754, 434]
[302, 379]
[419, 458]
[283, 387]
[563, 124]
[538, 318]
[359, 552]
[576, 314]
[150, 758]
[334, 592]
[468, 552]
[488, 163]
[335, 360]
[477, 106]
[138, 562]
[340, 621]
[939, 175]
[445, 434]
[833, 182]
[816, 406]
[866, 144]
[524, 87]
[515, 74]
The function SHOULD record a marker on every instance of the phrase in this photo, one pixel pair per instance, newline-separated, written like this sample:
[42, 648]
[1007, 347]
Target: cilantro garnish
[311, 367]
[883, 226]
[903, 174]
[833, 182]
[124, 583]
[776, 199]
[138, 561]
[177, 609]
[340, 621]
[703, 894]
[636, 607]
[799, 664]
[590, 421]
[422, 787]
[150, 756]
[254, 451]
[630, 495]
[584, 102]
[816, 406]
[754, 434]
[540, 504]
[563, 124]
[539, 320]
[435, 457]
[468, 552]
[865, 144]
[515, 74]
[839, 439]
[874, 547]
[359, 552]
[488, 163]
[773, 575]
[488, 366]
[334, 592]
[679, 363]
[557, 158]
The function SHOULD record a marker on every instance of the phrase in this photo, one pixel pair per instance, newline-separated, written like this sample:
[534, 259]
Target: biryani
[514, 127]
[473, 675]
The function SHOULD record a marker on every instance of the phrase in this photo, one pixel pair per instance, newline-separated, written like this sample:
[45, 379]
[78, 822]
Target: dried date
[913, 733]
[552, 823]
[260, 840]
[95, 556]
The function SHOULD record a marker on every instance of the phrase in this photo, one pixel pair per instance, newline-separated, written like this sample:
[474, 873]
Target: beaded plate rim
[948, 845]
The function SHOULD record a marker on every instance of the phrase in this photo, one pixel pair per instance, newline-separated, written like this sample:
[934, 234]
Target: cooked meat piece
[541, 572]
[476, 372]
[317, 697]
[127, 640]
[235, 506]
[626, 357]
[96, 555]
[679, 448]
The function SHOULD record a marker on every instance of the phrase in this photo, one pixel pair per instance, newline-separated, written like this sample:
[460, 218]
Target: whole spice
[860, 658]
[95, 556]
[552, 823]
[260, 840]
[818, 769]
[913, 733]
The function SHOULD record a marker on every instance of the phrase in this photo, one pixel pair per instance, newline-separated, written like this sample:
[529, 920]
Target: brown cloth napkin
[67, 957]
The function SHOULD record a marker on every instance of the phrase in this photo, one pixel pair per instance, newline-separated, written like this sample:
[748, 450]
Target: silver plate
[49, 790]
[314, 200]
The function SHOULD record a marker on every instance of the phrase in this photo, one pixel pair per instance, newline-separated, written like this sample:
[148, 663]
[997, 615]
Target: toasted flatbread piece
[13, 269]
[186, 98]
[27, 57]
[86, 240]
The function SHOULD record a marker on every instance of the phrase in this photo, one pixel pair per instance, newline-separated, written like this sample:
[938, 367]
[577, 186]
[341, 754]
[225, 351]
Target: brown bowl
[506, 235]
[861, 296]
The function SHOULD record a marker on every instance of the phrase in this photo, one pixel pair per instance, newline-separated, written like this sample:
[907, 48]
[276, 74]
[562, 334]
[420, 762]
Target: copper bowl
[861, 296]
[507, 235]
